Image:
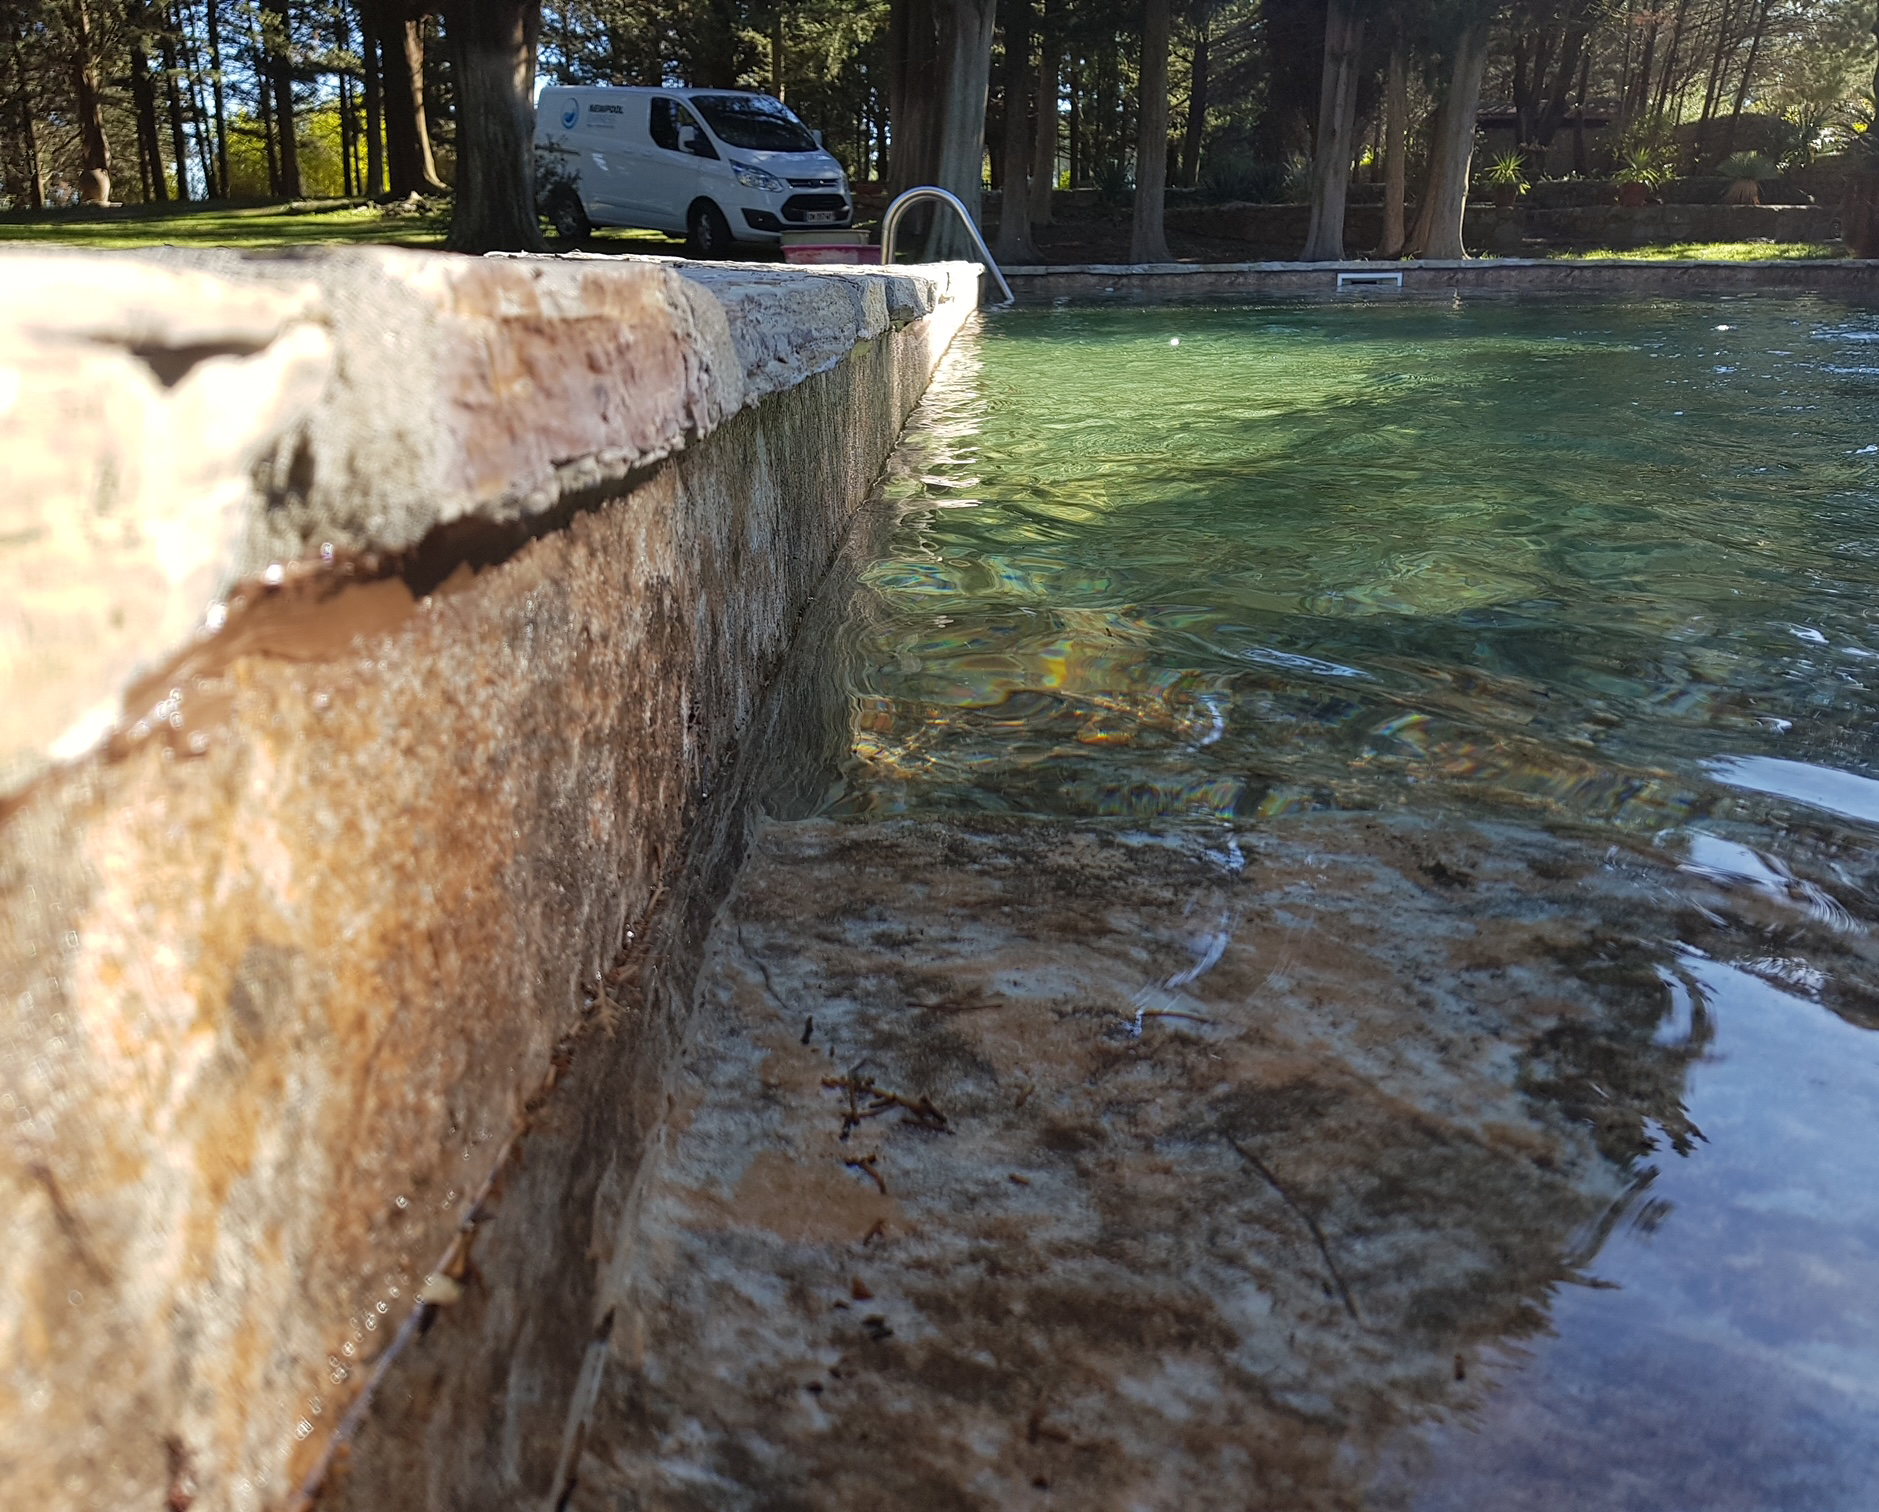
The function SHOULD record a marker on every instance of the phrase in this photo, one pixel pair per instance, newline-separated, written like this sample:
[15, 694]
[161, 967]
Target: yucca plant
[1746, 171]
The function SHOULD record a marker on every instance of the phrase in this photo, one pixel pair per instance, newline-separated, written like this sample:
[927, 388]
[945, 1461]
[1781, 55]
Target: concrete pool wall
[383, 632]
[1171, 283]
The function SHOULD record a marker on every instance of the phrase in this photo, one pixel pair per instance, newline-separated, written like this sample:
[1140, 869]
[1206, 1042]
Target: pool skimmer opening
[1370, 280]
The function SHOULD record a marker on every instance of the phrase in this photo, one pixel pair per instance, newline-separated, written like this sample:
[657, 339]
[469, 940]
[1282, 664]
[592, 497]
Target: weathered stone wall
[1170, 283]
[1278, 231]
[381, 631]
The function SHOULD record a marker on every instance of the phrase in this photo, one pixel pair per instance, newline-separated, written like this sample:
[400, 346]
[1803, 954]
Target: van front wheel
[568, 216]
[708, 234]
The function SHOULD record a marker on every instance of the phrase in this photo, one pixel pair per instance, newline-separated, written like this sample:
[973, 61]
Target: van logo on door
[571, 115]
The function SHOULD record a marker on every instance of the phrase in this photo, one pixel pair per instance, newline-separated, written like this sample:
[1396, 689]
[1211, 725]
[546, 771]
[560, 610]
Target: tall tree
[277, 30]
[940, 64]
[1444, 198]
[213, 21]
[1337, 119]
[1014, 243]
[491, 44]
[143, 95]
[1395, 151]
[1148, 236]
[1196, 100]
[374, 112]
[94, 184]
[409, 163]
[1044, 140]
[173, 94]
[30, 183]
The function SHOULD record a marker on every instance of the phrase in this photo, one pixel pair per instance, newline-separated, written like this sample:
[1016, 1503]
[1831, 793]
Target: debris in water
[869, 1166]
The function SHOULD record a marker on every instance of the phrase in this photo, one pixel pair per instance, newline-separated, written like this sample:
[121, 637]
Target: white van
[716, 165]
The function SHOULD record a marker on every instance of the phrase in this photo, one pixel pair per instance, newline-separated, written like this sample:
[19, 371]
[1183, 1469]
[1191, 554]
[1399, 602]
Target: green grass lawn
[1748, 251]
[306, 223]
[303, 223]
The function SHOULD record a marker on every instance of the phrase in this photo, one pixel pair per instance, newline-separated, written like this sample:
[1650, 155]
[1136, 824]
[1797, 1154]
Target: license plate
[822, 217]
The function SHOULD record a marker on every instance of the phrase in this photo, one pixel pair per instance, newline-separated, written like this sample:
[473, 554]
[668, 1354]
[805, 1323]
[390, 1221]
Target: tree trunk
[1044, 140]
[1445, 198]
[1578, 115]
[492, 64]
[1748, 72]
[258, 58]
[1337, 116]
[1395, 152]
[1074, 125]
[913, 86]
[347, 146]
[1014, 243]
[940, 71]
[408, 160]
[1712, 90]
[94, 185]
[143, 95]
[1553, 112]
[280, 68]
[967, 30]
[374, 114]
[1670, 61]
[179, 143]
[779, 58]
[1148, 237]
[211, 10]
[29, 134]
[1640, 96]
[192, 77]
[1859, 215]
[1196, 110]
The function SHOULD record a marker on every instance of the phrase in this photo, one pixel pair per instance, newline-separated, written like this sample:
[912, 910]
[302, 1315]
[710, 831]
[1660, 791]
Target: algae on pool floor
[1274, 1001]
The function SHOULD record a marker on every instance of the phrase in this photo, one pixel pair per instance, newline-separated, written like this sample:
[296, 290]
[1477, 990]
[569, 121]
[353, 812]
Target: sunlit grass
[301, 223]
[1742, 251]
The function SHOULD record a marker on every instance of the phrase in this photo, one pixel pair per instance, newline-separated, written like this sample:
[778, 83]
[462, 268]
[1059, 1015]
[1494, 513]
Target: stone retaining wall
[383, 634]
[1278, 231]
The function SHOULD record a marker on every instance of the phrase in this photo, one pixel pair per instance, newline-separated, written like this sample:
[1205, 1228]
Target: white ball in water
[1174, 341]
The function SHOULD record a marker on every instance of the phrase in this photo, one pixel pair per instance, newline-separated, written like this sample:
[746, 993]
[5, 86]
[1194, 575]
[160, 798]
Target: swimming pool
[1349, 854]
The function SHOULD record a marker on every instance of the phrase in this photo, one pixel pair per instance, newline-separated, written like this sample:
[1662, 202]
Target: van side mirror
[818, 136]
[692, 140]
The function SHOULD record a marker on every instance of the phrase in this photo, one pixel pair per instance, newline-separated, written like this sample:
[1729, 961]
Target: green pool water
[1574, 559]
[1607, 569]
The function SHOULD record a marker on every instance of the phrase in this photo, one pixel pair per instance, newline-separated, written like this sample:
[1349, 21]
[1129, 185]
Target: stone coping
[177, 422]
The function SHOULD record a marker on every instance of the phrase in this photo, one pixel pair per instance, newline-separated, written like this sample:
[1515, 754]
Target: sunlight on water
[1610, 572]
[1583, 560]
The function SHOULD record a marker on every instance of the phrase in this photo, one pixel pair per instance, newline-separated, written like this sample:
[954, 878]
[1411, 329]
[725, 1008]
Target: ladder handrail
[890, 223]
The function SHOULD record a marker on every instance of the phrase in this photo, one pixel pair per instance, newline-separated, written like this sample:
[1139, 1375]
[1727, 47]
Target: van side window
[665, 124]
[694, 141]
[677, 130]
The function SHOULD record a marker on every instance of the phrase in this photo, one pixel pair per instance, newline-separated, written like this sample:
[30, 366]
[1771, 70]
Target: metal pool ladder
[890, 223]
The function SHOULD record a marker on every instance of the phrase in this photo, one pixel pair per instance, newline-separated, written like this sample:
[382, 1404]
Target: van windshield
[755, 122]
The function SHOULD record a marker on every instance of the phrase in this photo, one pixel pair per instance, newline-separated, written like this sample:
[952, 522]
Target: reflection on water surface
[1614, 569]
[1364, 820]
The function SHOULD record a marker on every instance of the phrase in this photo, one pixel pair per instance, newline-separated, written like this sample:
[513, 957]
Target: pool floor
[1329, 960]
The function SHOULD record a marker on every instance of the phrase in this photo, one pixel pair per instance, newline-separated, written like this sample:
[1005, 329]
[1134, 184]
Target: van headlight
[756, 178]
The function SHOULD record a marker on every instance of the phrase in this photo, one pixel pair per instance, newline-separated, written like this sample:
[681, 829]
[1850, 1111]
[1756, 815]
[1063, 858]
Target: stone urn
[1632, 194]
